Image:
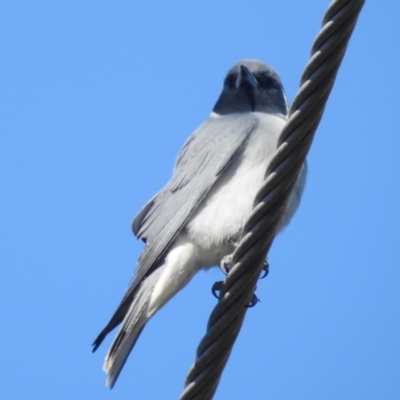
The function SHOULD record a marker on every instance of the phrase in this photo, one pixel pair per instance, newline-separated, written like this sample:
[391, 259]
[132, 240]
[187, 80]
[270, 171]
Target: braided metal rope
[295, 140]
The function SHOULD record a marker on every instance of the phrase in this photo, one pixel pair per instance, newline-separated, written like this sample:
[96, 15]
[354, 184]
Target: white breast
[228, 205]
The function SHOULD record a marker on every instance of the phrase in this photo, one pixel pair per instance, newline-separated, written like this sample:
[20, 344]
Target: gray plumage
[196, 219]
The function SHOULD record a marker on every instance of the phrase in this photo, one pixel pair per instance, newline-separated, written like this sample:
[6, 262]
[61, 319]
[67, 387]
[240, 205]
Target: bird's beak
[246, 75]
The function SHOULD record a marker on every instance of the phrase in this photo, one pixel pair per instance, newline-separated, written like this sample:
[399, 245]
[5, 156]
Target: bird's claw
[216, 288]
[225, 266]
[265, 270]
[254, 300]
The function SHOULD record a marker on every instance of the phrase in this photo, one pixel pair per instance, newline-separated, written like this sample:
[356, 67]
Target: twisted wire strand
[295, 140]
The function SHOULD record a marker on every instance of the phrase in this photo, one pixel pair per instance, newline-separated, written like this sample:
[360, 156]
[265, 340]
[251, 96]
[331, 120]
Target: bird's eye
[230, 81]
[266, 81]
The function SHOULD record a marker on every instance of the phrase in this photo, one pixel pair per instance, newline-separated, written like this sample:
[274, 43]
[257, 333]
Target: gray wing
[202, 160]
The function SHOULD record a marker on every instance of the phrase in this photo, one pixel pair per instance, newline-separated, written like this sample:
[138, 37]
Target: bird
[196, 220]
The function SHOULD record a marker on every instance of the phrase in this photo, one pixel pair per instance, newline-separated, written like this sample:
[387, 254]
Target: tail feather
[114, 322]
[115, 361]
[118, 316]
[132, 326]
[142, 301]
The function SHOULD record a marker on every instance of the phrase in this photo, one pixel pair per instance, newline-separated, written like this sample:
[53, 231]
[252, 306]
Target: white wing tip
[109, 368]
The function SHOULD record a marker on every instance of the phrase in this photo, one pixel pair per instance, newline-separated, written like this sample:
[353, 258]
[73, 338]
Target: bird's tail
[129, 331]
[119, 352]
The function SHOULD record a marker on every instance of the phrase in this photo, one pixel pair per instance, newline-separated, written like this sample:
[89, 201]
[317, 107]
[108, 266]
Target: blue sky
[96, 100]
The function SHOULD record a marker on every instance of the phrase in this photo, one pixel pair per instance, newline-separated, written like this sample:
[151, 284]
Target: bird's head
[251, 85]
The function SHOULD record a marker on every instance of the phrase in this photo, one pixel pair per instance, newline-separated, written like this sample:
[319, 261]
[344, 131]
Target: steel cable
[248, 259]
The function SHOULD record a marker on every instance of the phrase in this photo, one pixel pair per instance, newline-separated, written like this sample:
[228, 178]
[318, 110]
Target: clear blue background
[97, 98]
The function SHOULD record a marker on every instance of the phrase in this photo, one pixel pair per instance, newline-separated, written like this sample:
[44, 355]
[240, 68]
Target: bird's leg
[225, 267]
[226, 261]
[225, 264]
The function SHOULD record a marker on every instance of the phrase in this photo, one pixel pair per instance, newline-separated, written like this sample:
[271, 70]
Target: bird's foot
[265, 270]
[254, 300]
[225, 264]
[218, 286]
